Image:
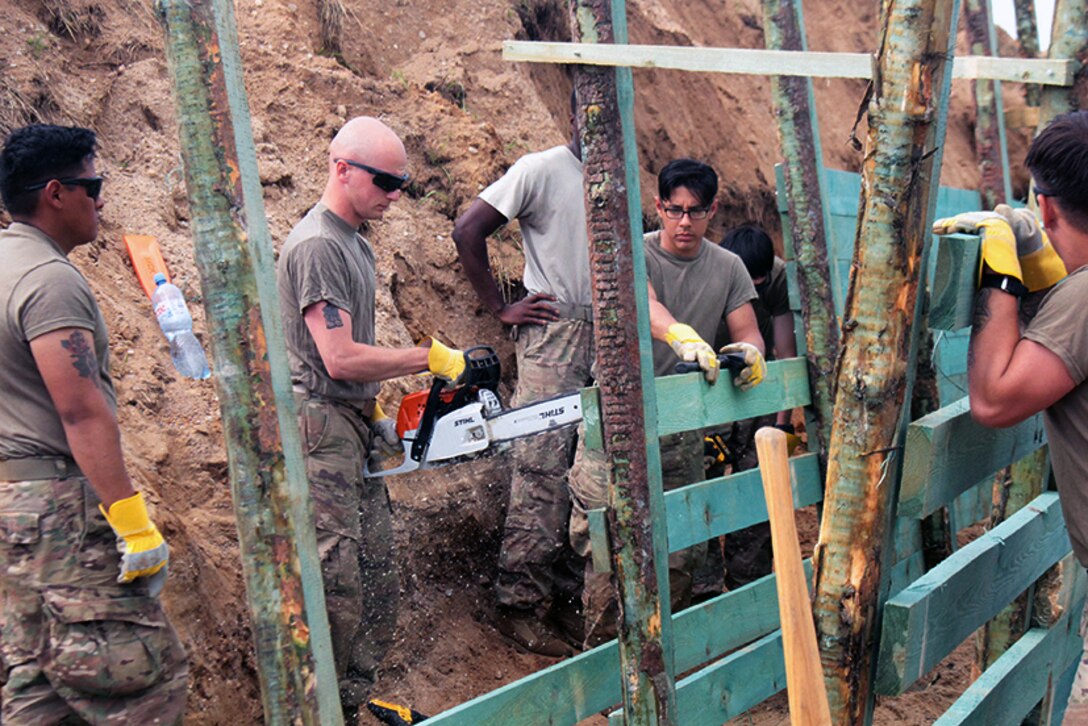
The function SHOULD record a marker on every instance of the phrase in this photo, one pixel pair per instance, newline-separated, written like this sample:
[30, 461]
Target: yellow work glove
[143, 551]
[755, 367]
[448, 363]
[384, 428]
[689, 347]
[1039, 261]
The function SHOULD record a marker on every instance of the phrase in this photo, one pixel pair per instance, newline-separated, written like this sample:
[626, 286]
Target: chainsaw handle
[730, 361]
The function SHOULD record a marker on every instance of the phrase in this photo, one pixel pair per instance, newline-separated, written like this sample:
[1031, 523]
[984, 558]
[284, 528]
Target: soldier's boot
[526, 631]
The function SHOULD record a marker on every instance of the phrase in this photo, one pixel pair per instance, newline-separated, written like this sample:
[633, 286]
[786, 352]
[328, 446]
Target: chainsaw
[446, 425]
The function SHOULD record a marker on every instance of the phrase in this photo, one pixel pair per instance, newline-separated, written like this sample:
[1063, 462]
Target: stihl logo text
[461, 422]
[552, 412]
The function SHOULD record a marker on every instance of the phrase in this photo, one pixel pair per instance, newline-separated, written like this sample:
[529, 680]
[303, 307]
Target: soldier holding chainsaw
[539, 581]
[694, 280]
[326, 284]
[1012, 373]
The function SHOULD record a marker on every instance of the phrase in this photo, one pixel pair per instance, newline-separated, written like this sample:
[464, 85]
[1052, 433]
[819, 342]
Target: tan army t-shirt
[325, 258]
[40, 291]
[543, 191]
[1059, 327]
[699, 291]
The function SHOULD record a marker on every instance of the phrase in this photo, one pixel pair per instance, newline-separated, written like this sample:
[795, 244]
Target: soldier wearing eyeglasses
[326, 281]
[695, 281]
[83, 637]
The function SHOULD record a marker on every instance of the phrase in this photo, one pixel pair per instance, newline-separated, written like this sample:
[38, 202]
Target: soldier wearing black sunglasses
[326, 280]
[61, 462]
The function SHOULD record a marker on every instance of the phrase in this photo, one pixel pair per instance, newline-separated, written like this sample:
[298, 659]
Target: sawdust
[434, 71]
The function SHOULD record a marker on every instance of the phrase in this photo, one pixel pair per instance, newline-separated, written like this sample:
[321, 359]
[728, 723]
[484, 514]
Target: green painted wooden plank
[908, 538]
[687, 402]
[589, 682]
[728, 688]
[601, 551]
[1009, 689]
[955, 279]
[974, 505]
[905, 572]
[947, 452]
[590, 429]
[927, 620]
[719, 506]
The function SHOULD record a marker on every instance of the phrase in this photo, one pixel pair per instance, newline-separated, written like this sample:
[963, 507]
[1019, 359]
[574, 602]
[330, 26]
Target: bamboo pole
[1027, 32]
[990, 144]
[1068, 40]
[625, 369]
[799, 139]
[234, 257]
[907, 114]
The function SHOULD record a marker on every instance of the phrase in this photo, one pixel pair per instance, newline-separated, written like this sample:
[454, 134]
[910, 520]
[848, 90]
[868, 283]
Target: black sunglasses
[92, 184]
[384, 180]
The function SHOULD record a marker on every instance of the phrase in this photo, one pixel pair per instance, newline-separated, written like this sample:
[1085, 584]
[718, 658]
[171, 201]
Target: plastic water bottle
[176, 322]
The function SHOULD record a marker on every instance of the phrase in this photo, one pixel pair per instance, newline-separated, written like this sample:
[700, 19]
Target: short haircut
[38, 153]
[1058, 162]
[753, 246]
[695, 176]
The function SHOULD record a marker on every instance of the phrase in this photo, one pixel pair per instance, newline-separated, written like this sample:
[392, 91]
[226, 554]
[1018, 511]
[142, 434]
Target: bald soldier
[326, 284]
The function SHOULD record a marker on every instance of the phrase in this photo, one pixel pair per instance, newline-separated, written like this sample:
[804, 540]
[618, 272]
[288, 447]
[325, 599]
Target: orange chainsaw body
[411, 409]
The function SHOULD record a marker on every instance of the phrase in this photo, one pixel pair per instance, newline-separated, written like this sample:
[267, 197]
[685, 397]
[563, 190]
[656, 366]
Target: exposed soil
[434, 71]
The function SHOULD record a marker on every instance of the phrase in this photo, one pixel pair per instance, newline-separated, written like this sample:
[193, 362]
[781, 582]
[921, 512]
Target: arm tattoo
[332, 317]
[981, 318]
[83, 357]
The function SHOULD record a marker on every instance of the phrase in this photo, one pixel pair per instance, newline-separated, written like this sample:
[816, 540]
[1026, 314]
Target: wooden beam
[927, 620]
[948, 453]
[811, 64]
[955, 280]
[687, 402]
[697, 512]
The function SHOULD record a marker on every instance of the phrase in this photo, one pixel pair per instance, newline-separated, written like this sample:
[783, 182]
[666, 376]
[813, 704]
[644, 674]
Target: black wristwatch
[1005, 283]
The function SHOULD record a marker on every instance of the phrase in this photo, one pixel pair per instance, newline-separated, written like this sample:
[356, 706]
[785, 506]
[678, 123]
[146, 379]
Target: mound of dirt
[433, 70]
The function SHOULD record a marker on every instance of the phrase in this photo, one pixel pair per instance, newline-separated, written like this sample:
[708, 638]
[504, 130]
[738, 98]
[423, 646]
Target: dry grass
[331, 14]
[15, 109]
[74, 19]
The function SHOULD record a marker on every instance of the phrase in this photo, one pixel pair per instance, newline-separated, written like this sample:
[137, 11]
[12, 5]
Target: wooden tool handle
[804, 676]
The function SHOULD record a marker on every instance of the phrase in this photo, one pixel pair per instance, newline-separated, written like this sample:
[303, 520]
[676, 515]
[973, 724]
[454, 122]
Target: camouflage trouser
[747, 554]
[681, 464]
[354, 523]
[76, 645]
[1076, 711]
[536, 563]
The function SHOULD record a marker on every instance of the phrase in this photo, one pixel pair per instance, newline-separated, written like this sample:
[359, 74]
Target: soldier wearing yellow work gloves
[83, 638]
[695, 281]
[326, 283]
[1015, 371]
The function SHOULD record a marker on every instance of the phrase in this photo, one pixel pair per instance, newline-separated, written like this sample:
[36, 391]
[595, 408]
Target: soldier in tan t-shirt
[696, 281]
[1013, 375]
[325, 277]
[83, 637]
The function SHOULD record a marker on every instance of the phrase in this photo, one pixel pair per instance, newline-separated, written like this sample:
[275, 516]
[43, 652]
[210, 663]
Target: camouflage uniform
[681, 464]
[536, 564]
[353, 518]
[1076, 709]
[76, 645]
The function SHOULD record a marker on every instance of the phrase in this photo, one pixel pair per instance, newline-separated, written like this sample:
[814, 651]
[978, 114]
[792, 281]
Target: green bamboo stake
[625, 370]
[993, 160]
[907, 115]
[803, 170]
[234, 257]
[1027, 32]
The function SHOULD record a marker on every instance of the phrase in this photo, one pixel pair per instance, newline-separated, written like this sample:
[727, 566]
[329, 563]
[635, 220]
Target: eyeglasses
[694, 213]
[92, 184]
[384, 180]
